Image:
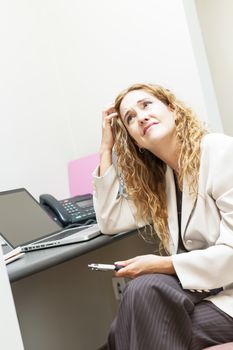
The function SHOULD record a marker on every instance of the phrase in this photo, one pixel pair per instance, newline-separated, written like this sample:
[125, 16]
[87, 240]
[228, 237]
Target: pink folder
[80, 174]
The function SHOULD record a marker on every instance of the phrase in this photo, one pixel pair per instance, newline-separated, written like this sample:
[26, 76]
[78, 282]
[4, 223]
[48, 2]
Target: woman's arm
[145, 264]
[114, 212]
[107, 140]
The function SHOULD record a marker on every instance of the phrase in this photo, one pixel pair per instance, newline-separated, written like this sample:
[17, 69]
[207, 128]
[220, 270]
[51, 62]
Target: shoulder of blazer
[216, 141]
[215, 147]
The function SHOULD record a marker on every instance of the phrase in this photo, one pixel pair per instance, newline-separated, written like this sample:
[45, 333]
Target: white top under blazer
[206, 225]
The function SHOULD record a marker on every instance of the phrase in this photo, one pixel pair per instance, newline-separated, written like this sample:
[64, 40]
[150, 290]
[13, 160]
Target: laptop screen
[22, 220]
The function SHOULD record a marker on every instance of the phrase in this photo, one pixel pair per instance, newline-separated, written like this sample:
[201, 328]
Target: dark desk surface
[40, 260]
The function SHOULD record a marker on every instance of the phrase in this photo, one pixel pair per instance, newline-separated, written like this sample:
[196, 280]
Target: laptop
[25, 223]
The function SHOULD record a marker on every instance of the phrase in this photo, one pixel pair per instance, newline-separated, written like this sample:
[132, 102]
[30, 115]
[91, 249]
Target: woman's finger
[109, 109]
[107, 120]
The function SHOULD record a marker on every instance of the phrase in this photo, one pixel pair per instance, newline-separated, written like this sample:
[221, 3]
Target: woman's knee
[146, 284]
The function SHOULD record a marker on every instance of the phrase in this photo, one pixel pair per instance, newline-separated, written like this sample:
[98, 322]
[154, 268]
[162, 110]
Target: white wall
[202, 63]
[63, 61]
[217, 27]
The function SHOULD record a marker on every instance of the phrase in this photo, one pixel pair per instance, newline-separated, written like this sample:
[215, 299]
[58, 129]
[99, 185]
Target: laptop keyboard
[74, 233]
[63, 234]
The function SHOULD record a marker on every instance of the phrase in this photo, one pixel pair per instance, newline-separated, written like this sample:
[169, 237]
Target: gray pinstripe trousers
[156, 313]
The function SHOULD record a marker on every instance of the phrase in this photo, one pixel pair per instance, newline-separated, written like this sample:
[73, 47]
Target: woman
[179, 180]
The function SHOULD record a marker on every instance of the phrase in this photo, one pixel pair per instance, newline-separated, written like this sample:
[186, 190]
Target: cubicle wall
[10, 335]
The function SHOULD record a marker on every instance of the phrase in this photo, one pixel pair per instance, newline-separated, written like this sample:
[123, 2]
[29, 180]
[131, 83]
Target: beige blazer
[207, 223]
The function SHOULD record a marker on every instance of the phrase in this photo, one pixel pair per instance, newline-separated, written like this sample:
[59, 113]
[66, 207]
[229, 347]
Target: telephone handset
[69, 211]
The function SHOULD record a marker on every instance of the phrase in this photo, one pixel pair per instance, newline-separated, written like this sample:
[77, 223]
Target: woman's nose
[142, 117]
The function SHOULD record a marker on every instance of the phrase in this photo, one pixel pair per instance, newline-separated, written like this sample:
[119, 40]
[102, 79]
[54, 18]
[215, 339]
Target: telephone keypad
[76, 212]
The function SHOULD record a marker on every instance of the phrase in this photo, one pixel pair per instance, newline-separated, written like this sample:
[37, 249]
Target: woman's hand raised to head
[107, 141]
[107, 135]
[145, 264]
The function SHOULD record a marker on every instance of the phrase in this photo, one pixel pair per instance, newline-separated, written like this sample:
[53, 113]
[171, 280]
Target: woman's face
[149, 121]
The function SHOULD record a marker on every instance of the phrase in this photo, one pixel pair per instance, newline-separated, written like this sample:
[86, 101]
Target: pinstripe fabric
[157, 314]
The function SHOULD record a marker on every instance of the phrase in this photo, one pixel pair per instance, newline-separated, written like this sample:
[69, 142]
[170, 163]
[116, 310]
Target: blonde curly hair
[144, 173]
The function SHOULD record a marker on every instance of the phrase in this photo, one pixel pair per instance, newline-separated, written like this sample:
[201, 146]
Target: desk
[59, 299]
[39, 260]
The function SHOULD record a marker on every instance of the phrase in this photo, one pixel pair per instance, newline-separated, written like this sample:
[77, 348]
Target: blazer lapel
[187, 207]
[188, 204]
[172, 210]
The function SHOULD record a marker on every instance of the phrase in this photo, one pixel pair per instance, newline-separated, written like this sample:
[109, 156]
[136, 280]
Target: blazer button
[189, 242]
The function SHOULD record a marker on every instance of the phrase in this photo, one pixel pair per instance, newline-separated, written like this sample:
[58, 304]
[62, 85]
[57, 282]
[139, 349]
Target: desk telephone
[69, 211]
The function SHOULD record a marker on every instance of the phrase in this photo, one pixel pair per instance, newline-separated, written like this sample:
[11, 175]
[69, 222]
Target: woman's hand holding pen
[145, 264]
[107, 141]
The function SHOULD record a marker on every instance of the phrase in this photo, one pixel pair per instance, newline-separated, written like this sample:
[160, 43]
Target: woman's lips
[148, 127]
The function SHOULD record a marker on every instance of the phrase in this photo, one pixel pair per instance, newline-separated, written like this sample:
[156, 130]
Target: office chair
[227, 346]
[80, 174]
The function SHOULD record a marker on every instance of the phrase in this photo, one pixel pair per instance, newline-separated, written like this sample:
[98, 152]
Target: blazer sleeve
[212, 267]
[114, 211]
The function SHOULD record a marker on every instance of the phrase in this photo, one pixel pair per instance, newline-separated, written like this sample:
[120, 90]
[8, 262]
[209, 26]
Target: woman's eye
[146, 103]
[129, 118]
